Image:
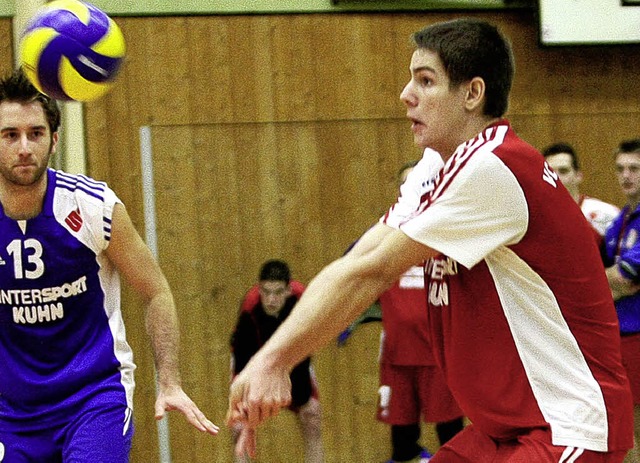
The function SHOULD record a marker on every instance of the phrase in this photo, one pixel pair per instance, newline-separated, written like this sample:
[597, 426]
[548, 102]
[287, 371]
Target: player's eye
[37, 134]
[9, 135]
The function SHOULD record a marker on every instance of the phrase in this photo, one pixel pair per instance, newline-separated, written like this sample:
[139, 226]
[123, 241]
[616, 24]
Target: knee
[310, 416]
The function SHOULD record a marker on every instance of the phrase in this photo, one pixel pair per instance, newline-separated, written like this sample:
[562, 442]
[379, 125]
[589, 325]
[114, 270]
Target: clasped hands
[256, 394]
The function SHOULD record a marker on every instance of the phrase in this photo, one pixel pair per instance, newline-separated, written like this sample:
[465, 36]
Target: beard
[27, 175]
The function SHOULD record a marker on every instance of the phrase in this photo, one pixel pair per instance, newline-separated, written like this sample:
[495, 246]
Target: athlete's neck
[23, 202]
[471, 129]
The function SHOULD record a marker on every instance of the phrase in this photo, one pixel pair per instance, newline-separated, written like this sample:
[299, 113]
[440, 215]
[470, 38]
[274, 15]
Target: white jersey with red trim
[419, 182]
[598, 213]
[520, 311]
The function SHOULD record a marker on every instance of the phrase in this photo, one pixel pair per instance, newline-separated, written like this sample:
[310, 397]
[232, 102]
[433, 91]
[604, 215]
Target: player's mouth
[415, 124]
[25, 165]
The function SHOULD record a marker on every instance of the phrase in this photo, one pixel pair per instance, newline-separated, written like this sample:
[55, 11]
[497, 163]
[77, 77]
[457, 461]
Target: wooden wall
[280, 136]
[6, 45]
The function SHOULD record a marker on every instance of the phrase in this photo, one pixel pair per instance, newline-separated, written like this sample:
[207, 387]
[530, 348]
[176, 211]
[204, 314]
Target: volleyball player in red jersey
[521, 317]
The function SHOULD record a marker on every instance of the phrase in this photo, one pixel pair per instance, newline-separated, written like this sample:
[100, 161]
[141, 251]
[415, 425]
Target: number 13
[33, 252]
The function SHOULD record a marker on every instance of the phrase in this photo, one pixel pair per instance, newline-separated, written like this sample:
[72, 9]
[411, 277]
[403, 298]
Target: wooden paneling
[6, 46]
[236, 194]
[280, 136]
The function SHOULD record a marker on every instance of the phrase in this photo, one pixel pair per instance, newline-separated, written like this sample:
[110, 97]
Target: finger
[253, 414]
[235, 411]
[236, 415]
[246, 442]
[271, 411]
[206, 424]
[197, 419]
[159, 410]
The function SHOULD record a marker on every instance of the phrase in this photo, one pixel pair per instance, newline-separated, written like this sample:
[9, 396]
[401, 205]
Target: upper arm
[133, 258]
[476, 209]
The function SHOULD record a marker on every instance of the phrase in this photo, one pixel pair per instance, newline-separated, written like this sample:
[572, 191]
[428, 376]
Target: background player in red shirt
[411, 384]
[520, 312]
[265, 306]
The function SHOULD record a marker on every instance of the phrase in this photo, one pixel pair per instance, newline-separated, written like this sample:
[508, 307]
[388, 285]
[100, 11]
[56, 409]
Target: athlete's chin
[421, 141]
[26, 176]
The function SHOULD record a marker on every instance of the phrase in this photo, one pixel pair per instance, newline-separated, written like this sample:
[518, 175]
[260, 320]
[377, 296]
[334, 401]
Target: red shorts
[630, 348]
[414, 392]
[473, 446]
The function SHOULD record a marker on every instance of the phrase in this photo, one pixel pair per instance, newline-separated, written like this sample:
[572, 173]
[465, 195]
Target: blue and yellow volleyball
[72, 50]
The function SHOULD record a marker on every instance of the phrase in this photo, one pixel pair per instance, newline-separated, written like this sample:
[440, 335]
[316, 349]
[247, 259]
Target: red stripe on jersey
[457, 162]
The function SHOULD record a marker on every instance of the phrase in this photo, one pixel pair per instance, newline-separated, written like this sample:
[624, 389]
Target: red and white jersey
[598, 213]
[405, 338]
[520, 312]
[418, 183]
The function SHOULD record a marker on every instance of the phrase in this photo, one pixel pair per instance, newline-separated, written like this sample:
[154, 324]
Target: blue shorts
[96, 434]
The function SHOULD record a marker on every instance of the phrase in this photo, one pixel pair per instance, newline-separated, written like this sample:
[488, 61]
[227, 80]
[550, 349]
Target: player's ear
[475, 92]
[55, 136]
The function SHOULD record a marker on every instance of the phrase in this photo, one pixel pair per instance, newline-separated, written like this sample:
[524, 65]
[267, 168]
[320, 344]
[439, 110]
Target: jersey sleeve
[476, 207]
[297, 288]
[110, 201]
[629, 263]
[599, 213]
[84, 206]
[418, 183]
[96, 201]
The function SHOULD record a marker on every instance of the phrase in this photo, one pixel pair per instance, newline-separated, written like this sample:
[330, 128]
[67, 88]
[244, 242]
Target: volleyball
[72, 50]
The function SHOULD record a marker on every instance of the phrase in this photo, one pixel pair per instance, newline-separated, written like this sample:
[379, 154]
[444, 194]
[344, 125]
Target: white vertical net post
[149, 204]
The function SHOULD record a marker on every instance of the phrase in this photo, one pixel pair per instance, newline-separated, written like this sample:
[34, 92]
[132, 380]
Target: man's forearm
[162, 327]
[333, 299]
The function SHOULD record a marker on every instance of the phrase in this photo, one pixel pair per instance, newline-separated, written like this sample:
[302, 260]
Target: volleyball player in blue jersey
[66, 386]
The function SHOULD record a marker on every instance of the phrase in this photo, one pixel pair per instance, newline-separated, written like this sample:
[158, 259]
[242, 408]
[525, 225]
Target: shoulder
[495, 159]
[251, 299]
[297, 288]
[82, 186]
[596, 205]
[85, 191]
[83, 205]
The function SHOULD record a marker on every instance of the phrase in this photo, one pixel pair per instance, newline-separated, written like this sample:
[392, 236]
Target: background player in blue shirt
[66, 388]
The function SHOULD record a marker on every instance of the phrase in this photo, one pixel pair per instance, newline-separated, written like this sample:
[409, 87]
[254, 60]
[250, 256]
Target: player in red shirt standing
[412, 387]
[520, 313]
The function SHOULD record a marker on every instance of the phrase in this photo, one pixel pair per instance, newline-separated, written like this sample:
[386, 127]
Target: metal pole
[148, 196]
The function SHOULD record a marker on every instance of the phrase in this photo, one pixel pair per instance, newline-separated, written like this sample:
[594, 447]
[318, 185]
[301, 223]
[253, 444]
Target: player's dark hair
[16, 87]
[564, 148]
[275, 270]
[471, 48]
[629, 146]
